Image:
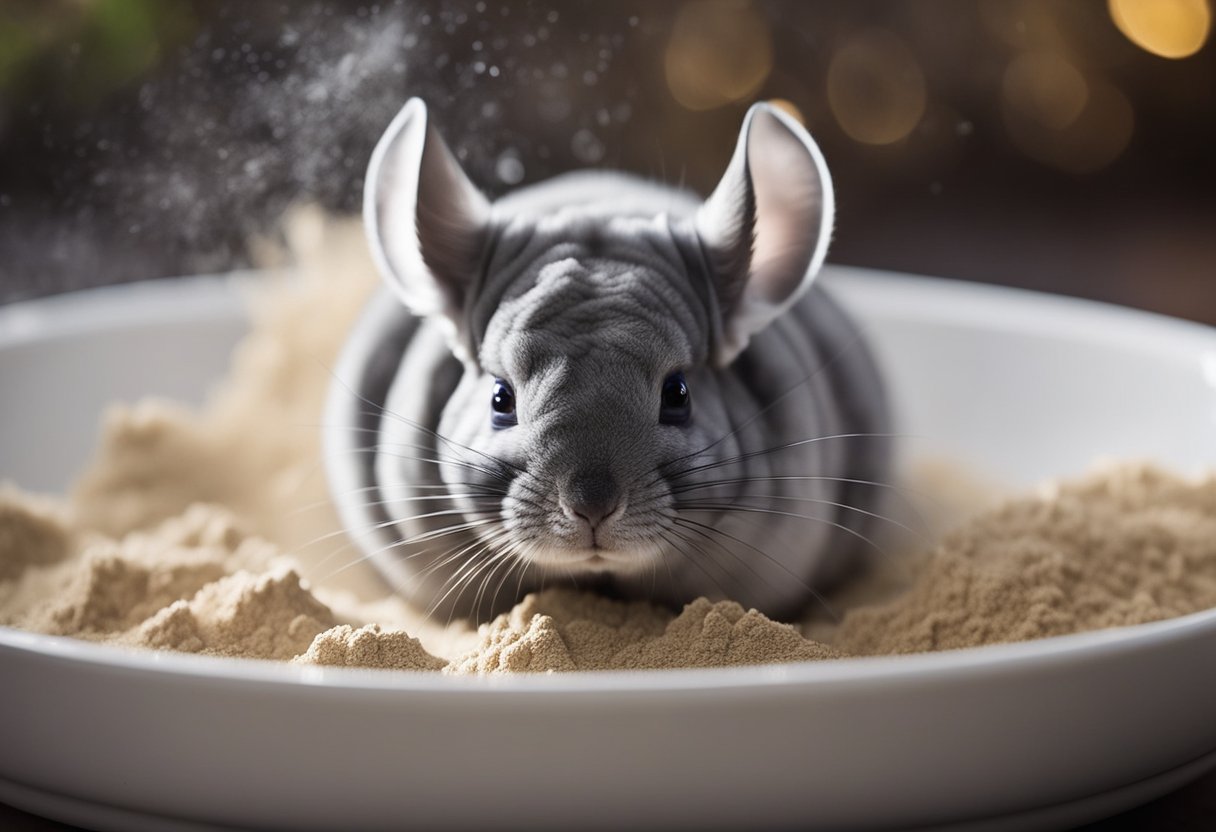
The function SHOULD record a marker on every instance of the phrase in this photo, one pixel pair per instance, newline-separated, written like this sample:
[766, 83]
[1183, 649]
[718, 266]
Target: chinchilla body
[602, 382]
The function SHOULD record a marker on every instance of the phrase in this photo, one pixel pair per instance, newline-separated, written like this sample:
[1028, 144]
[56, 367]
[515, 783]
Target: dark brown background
[1022, 142]
[142, 139]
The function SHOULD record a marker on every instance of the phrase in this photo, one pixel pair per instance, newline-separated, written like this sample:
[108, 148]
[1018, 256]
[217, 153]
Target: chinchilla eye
[502, 403]
[676, 405]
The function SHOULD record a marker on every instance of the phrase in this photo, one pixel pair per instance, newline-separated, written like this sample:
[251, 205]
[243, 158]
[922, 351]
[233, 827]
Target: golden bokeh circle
[1093, 139]
[720, 52]
[876, 88]
[1168, 28]
[789, 108]
[1046, 88]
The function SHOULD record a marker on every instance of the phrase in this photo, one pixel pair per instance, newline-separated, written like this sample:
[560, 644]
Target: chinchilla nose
[591, 494]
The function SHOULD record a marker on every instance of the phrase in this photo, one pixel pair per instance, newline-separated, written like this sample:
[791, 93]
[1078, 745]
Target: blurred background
[1065, 146]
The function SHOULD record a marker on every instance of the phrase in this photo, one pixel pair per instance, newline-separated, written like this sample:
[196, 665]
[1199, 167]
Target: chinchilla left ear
[427, 224]
[766, 226]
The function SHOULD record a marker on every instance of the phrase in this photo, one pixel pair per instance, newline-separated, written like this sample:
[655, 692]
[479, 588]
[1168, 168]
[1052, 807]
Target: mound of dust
[210, 532]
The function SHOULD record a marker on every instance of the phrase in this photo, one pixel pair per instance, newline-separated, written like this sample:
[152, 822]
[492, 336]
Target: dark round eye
[676, 405]
[502, 403]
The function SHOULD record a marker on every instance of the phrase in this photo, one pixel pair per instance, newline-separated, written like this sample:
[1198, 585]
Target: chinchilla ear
[426, 222]
[766, 227]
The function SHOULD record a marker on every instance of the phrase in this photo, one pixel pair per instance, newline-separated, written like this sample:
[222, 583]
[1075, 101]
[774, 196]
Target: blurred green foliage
[24, 33]
[74, 53]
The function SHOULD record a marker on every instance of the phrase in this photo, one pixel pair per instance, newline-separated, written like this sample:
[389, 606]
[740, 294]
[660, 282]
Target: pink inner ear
[426, 221]
[450, 217]
[788, 185]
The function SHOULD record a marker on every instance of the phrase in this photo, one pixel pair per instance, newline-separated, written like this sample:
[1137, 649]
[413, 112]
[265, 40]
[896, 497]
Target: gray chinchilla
[605, 382]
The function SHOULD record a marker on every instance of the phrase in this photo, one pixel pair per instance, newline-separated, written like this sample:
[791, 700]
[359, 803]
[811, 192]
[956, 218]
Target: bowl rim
[1028, 310]
[99, 308]
[848, 673]
[90, 310]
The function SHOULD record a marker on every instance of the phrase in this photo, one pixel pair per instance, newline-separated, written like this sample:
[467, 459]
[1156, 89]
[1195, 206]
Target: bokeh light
[1058, 117]
[720, 52]
[1045, 88]
[140, 138]
[1168, 28]
[876, 88]
[789, 108]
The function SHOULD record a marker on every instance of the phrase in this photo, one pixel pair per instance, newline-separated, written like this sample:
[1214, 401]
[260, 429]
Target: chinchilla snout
[591, 494]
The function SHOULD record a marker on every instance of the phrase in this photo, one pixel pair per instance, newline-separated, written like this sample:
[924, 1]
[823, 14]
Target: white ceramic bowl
[1035, 735]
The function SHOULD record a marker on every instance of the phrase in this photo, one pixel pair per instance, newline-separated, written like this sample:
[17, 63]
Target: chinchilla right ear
[766, 227]
[427, 224]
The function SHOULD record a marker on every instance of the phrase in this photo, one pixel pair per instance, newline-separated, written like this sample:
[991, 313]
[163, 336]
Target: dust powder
[210, 532]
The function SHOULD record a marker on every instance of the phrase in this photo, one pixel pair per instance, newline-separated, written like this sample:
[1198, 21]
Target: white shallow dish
[1038, 735]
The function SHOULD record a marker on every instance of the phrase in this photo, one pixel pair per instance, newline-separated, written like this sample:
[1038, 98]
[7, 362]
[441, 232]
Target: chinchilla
[605, 382]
